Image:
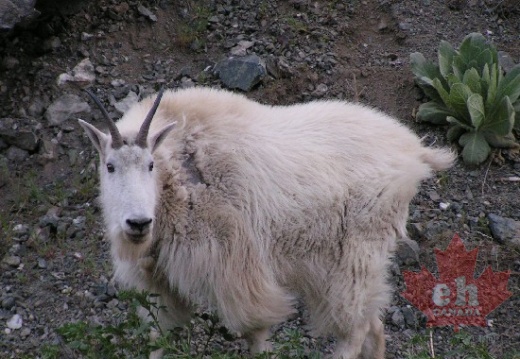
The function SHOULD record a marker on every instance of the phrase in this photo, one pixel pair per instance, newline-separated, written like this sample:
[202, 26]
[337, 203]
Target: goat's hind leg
[350, 344]
[258, 341]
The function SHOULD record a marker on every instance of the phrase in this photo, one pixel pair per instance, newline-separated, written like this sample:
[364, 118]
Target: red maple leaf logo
[456, 297]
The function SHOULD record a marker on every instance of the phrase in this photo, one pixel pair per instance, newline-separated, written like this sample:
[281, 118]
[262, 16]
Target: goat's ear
[158, 137]
[98, 138]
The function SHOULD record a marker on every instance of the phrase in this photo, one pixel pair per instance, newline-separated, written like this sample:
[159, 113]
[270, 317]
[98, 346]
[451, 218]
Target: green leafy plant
[129, 337]
[469, 91]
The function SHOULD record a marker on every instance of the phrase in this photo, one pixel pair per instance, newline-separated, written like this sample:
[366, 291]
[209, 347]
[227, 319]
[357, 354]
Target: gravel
[54, 261]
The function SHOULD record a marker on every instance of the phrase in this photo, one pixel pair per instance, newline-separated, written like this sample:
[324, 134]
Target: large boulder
[14, 11]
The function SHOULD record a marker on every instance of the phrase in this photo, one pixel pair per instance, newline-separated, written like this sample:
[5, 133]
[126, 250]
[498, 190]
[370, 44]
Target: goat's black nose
[139, 224]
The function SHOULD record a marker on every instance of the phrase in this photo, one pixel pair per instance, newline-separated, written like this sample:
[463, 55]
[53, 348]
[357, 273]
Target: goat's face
[129, 186]
[128, 191]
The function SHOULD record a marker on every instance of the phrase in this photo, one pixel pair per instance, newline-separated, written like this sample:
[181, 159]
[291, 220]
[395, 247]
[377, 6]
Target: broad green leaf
[452, 79]
[476, 110]
[425, 72]
[430, 92]
[424, 80]
[459, 67]
[476, 149]
[465, 46]
[454, 132]
[484, 58]
[472, 46]
[492, 89]
[445, 57]
[494, 140]
[485, 73]
[443, 94]
[484, 82]
[510, 85]
[516, 107]
[422, 67]
[459, 95]
[501, 119]
[433, 112]
[459, 123]
[472, 80]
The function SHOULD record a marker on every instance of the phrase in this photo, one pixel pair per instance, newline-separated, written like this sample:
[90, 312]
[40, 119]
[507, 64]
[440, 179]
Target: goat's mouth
[136, 238]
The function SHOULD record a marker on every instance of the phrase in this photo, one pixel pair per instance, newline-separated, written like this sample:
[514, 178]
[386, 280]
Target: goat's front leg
[374, 345]
[168, 308]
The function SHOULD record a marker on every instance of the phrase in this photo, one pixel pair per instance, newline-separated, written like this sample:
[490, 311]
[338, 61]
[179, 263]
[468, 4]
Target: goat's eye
[110, 167]
[150, 166]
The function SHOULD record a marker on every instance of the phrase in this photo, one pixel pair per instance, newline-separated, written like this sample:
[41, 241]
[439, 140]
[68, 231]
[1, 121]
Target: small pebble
[42, 263]
[15, 322]
[444, 206]
[13, 261]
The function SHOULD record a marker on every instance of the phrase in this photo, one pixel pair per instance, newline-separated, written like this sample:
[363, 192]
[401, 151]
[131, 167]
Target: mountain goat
[242, 208]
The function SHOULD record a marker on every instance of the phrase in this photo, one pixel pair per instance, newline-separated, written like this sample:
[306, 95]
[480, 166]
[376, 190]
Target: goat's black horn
[142, 136]
[117, 140]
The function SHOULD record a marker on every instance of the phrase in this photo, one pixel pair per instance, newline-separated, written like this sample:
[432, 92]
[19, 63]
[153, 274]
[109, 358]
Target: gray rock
[36, 108]
[51, 44]
[15, 322]
[4, 171]
[118, 82]
[241, 48]
[51, 218]
[3, 145]
[62, 229]
[241, 72]
[146, 13]
[506, 61]
[434, 196]
[409, 317]
[13, 261]
[8, 302]
[15, 154]
[42, 263]
[64, 108]
[20, 133]
[123, 105]
[111, 289]
[405, 26]
[82, 74]
[397, 318]
[15, 11]
[321, 90]
[186, 82]
[504, 230]
[25, 332]
[408, 252]
[21, 229]
[434, 230]
[10, 63]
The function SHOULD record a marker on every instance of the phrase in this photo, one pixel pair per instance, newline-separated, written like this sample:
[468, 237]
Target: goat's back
[291, 163]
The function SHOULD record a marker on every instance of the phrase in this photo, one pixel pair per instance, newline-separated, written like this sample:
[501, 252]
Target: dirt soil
[55, 264]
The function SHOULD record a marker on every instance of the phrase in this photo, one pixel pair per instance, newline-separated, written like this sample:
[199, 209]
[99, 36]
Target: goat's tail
[438, 158]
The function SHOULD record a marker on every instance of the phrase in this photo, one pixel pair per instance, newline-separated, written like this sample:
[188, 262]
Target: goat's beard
[125, 249]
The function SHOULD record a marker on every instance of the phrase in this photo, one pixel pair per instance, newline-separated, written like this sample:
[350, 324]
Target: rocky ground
[54, 263]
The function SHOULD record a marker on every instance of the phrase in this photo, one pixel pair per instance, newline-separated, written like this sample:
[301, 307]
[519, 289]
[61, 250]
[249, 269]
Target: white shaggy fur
[254, 206]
